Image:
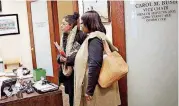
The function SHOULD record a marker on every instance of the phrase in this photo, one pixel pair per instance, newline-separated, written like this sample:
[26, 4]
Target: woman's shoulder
[95, 41]
[80, 36]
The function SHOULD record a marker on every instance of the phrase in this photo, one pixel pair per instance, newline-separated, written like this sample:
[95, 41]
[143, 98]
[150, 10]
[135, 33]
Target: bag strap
[106, 47]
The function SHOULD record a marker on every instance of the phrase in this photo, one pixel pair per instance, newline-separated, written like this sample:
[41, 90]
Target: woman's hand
[63, 59]
[62, 52]
[88, 97]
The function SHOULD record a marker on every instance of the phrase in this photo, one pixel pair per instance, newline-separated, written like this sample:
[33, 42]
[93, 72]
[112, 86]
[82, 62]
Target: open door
[43, 35]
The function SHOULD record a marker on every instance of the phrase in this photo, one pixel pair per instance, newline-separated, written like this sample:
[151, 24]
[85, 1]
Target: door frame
[119, 40]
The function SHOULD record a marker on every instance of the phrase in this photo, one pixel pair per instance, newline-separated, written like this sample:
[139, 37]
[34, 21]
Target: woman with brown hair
[71, 40]
[88, 63]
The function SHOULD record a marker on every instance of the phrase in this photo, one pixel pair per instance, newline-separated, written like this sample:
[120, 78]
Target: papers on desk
[2, 74]
[4, 78]
[45, 87]
[10, 74]
[7, 74]
[25, 76]
[19, 74]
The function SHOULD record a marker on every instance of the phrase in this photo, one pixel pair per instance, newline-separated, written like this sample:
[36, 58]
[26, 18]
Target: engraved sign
[156, 10]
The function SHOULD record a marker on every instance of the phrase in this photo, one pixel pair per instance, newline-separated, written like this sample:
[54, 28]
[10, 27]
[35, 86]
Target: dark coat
[69, 81]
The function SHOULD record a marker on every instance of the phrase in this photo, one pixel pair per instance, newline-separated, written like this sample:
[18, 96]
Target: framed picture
[100, 6]
[9, 24]
[0, 6]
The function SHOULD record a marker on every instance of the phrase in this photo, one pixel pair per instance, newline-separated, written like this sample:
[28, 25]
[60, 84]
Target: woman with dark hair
[71, 40]
[88, 63]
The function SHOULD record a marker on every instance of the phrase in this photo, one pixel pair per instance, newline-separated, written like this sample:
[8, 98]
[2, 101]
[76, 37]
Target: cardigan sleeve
[95, 59]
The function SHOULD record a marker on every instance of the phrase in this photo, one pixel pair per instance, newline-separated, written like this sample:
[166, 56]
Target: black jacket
[69, 81]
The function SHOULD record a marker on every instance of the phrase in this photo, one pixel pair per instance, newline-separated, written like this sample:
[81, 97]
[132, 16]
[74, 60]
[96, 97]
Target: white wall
[108, 26]
[16, 46]
[152, 58]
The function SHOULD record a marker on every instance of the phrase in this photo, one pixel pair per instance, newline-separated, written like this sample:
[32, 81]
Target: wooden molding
[56, 21]
[76, 9]
[56, 38]
[54, 32]
[75, 6]
[118, 32]
[28, 3]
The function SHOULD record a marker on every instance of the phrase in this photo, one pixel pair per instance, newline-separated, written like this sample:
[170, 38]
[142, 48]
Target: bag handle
[106, 47]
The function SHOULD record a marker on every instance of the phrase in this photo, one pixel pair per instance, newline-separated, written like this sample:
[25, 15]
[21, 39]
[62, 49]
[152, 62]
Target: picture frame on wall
[0, 6]
[100, 6]
[9, 24]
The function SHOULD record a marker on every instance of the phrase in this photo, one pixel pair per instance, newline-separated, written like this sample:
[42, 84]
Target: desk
[35, 99]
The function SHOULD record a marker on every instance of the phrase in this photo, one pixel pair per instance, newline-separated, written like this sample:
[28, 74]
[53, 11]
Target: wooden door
[53, 31]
